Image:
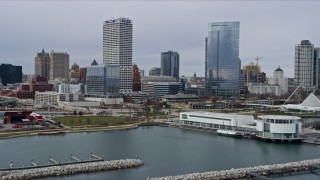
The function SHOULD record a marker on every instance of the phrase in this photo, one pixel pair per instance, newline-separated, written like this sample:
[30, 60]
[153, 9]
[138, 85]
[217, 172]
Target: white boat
[228, 133]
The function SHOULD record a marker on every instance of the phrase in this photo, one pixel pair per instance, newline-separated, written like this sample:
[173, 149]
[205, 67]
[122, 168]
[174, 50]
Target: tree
[75, 112]
[80, 113]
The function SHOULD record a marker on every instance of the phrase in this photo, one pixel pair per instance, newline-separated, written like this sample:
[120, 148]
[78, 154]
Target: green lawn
[93, 120]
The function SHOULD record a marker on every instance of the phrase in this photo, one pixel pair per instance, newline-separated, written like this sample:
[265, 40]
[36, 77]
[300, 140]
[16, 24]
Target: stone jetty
[257, 171]
[61, 170]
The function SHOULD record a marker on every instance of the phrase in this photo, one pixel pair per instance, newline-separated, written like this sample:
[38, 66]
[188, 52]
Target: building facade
[102, 80]
[75, 72]
[155, 71]
[72, 88]
[136, 78]
[279, 79]
[170, 64]
[265, 89]
[304, 65]
[42, 64]
[10, 74]
[117, 49]
[59, 66]
[222, 62]
[279, 127]
[158, 89]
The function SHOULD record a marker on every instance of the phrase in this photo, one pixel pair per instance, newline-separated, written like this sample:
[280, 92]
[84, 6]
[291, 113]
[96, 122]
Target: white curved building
[276, 127]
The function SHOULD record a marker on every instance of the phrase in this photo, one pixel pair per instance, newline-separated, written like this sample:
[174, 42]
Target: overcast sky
[267, 29]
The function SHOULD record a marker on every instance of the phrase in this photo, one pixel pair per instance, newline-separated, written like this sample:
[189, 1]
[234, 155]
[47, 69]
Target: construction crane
[257, 59]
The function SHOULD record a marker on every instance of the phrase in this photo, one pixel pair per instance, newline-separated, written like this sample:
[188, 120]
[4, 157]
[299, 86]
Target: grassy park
[94, 120]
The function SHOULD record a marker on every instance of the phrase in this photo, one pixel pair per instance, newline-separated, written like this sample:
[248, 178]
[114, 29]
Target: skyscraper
[59, 65]
[42, 64]
[222, 62]
[117, 49]
[304, 67]
[10, 74]
[170, 64]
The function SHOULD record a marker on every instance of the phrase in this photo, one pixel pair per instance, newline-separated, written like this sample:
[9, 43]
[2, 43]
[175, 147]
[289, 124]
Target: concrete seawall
[70, 169]
[265, 170]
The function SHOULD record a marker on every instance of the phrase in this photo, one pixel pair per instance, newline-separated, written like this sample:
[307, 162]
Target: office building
[10, 74]
[158, 89]
[75, 72]
[59, 66]
[102, 80]
[155, 71]
[304, 65]
[170, 64]
[42, 64]
[136, 78]
[117, 49]
[222, 62]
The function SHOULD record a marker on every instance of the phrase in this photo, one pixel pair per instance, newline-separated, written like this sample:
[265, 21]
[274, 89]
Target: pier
[73, 166]
[262, 172]
[53, 162]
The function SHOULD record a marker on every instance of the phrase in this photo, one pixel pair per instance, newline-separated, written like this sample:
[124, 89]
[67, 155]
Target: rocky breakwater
[264, 170]
[60, 170]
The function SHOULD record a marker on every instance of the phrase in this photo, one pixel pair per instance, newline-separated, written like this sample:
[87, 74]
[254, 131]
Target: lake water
[165, 151]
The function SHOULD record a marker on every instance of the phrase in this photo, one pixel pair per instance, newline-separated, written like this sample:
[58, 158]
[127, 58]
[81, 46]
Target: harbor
[157, 147]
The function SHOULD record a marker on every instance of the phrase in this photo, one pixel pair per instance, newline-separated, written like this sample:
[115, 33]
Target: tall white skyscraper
[304, 72]
[117, 49]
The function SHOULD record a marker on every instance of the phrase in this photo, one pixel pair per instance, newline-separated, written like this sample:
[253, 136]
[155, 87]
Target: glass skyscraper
[170, 64]
[222, 66]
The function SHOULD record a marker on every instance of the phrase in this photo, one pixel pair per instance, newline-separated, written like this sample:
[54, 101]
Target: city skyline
[183, 29]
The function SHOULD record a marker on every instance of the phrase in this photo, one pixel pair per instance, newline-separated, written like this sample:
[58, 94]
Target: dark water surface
[165, 151]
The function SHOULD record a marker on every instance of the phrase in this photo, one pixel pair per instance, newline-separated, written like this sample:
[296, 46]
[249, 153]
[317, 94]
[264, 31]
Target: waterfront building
[102, 80]
[273, 127]
[59, 66]
[279, 127]
[155, 71]
[217, 121]
[222, 62]
[279, 79]
[117, 49]
[170, 64]
[10, 74]
[304, 65]
[42, 64]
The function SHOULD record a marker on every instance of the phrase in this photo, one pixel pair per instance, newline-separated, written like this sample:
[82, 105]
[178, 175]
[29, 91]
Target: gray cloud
[268, 29]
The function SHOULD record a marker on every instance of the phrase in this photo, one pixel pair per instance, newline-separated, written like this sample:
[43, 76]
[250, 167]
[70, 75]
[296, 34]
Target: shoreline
[17, 134]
